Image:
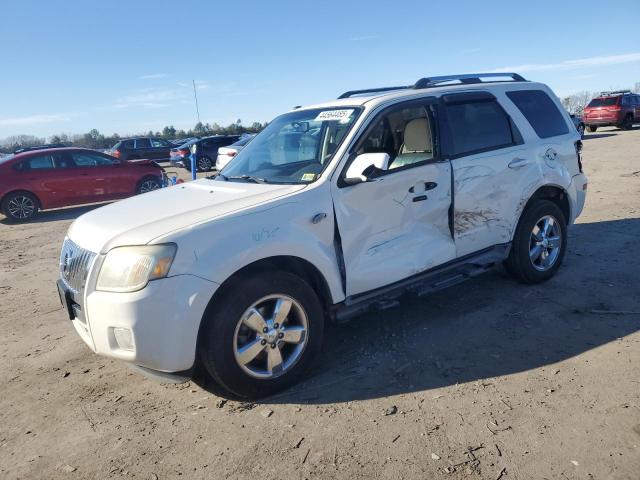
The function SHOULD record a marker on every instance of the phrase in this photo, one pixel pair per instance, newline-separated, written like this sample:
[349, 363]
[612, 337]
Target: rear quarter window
[478, 126]
[540, 111]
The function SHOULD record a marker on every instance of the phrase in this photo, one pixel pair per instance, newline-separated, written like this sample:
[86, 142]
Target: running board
[424, 283]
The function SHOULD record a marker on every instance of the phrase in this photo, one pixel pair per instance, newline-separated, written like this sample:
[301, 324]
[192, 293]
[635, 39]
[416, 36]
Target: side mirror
[357, 171]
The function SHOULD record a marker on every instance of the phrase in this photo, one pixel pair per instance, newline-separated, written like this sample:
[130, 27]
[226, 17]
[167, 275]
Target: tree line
[95, 139]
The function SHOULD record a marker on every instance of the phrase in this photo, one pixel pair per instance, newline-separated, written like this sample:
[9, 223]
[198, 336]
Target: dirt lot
[490, 379]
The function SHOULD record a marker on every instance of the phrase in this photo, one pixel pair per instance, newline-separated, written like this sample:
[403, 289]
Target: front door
[97, 175]
[396, 224]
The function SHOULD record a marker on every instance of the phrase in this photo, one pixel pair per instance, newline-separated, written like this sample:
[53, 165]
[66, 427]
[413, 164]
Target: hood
[140, 219]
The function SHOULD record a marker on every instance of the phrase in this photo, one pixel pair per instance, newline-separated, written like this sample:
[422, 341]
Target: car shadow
[593, 136]
[488, 327]
[70, 213]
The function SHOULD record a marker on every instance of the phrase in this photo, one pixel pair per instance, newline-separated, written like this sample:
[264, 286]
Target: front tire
[148, 184]
[261, 334]
[20, 206]
[539, 243]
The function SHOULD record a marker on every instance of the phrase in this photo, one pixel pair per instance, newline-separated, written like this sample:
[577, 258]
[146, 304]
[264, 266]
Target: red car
[59, 177]
[620, 109]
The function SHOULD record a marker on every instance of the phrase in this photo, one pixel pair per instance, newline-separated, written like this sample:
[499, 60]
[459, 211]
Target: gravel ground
[489, 379]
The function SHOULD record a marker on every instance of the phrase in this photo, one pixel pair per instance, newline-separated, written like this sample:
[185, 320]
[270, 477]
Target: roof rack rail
[614, 92]
[429, 82]
[351, 93]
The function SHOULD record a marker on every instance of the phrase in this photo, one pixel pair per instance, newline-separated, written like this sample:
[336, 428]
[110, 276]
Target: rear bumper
[602, 121]
[578, 195]
[179, 162]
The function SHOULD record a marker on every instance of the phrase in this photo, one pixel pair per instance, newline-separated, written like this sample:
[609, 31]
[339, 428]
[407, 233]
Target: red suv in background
[60, 177]
[620, 109]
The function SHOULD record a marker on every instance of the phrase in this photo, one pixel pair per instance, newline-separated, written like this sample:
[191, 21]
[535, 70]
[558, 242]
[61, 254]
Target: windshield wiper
[245, 177]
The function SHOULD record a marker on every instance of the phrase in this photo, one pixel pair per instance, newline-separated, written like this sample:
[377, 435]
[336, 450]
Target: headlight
[127, 269]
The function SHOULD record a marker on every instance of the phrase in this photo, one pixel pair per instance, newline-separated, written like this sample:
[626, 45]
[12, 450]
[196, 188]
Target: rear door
[489, 162]
[160, 148]
[143, 148]
[396, 224]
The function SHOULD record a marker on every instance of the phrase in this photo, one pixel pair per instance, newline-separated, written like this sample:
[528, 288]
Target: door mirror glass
[364, 165]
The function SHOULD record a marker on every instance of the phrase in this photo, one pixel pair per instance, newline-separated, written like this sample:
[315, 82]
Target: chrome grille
[75, 262]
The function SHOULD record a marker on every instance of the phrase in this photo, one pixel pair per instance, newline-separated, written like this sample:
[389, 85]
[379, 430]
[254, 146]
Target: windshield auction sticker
[334, 115]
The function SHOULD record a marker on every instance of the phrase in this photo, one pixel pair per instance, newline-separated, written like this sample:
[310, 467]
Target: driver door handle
[518, 163]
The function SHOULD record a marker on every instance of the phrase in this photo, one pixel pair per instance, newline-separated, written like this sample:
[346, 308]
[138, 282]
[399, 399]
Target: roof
[50, 150]
[374, 100]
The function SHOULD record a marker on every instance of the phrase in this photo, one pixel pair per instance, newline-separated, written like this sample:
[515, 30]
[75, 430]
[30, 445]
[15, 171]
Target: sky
[127, 66]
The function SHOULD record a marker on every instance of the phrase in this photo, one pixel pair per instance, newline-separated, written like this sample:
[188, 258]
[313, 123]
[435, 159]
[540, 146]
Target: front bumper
[163, 320]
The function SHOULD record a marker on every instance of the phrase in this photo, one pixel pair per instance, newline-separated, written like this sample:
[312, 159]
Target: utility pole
[195, 96]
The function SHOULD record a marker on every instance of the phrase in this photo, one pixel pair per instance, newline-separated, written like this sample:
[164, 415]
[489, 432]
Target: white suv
[332, 210]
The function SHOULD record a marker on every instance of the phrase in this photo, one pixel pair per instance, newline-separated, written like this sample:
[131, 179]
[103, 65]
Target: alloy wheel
[21, 206]
[204, 164]
[545, 243]
[148, 186]
[270, 336]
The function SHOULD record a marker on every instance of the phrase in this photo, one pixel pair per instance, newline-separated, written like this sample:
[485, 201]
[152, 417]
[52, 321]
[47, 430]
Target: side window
[128, 144]
[405, 134]
[90, 160]
[40, 162]
[62, 160]
[142, 143]
[159, 143]
[625, 101]
[541, 112]
[479, 126]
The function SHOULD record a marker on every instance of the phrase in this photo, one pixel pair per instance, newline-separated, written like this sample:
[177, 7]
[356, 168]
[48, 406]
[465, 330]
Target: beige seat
[417, 146]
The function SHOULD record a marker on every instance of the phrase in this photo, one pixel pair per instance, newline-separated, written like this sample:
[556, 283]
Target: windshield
[6, 157]
[603, 102]
[294, 148]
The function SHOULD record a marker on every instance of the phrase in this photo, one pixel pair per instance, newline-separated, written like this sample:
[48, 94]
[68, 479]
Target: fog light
[124, 339]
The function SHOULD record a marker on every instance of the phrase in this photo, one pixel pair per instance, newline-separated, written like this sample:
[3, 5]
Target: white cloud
[154, 76]
[150, 98]
[573, 64]
[33, 120]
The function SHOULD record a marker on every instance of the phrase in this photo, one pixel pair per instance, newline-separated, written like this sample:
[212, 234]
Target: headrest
[417, 136]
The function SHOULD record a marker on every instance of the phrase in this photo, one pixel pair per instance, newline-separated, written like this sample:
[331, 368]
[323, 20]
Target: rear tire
[627, 123]
[20, 206]
[535, 254]
[243, 358]
[204, 164]
[592, 128]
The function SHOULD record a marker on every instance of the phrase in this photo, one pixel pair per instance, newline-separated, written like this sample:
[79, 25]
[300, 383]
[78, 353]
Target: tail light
[614, 108]
[232, 153]
[184, 152]
[116, 153]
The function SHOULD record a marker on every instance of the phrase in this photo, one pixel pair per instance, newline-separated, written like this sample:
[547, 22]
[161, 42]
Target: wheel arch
[21, 190]
[284, 263]
[555, 194]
